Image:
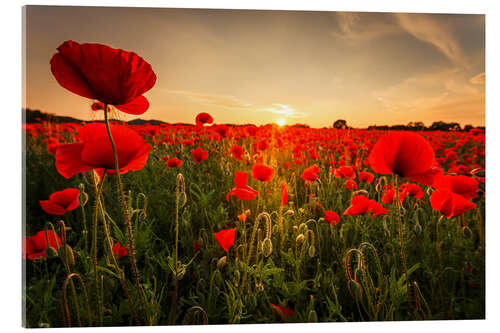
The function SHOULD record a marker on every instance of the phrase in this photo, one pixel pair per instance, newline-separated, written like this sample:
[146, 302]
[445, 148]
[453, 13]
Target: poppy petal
[52, 208]
[69, 160]
[137, 106]
[69, 77]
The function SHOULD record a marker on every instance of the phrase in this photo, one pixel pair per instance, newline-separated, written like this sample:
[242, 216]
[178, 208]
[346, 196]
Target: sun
[281, 122]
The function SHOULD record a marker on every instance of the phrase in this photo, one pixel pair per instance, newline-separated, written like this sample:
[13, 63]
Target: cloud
[429, 28]
[444, 95]
[224, 101]
[434, 30]
[355, 27]
[478, 79]
[283, 110]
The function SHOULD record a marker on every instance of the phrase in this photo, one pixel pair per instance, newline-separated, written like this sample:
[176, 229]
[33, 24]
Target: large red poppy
[94, 151]
[262, 172]
[450, 204]
[237, 152]
[109, 75]
[406, 154]
[61, 202]
[225, 238]
[242, 191]
[35, 247]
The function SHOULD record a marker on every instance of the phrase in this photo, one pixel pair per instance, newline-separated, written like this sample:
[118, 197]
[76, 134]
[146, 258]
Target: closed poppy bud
[83, 199]
[221, 263]
[354, 289]
[417, 228]
[267, 247]
[295, 228]
[289, 212]
[66, 254]
[312, 251]
[299, 240]
[51, 252]
[312, 317]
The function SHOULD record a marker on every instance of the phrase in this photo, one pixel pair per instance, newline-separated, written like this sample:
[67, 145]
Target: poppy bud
[312, 251]
[267, 247]
[66, 254]
[355, 289]
[359, 274]
[417, 228]
[299, 240]
[467, 232]
[303, 228]
[83, 199]
[312, 317]
[50, 252]
[221, 263]
[237, 277]
[289, 212]
[295, 228]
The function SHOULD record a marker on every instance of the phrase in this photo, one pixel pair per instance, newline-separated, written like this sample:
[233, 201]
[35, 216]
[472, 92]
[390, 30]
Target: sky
[248, 66]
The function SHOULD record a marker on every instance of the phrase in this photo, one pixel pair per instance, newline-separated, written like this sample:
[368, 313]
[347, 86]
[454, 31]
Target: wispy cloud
[434, 30]
[478, 79]
[224, 101]
[428, 28]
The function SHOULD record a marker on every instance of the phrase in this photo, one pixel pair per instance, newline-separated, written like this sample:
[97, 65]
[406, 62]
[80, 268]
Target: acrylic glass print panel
[197, 166]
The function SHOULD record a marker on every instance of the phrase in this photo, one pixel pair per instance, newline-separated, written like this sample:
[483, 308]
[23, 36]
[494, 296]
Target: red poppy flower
[262, 172]
[35, 247]
[94, 151]
[109, 75]
[225, 238]
[242, 217]
[350, 184]
[390, 195]
[237, 152]
[199, 155]
[173, 162]
[345, 172]
[412, 190]
[331, 217]
[311, 174]
[284, 194]
[366, 177]
[281, 312]
[462, 185]
[97, 106]
[361, 205]
[61, 202]
[203, 118]
[242, 191]
[119, 250]
[450, 204]
[406, 154]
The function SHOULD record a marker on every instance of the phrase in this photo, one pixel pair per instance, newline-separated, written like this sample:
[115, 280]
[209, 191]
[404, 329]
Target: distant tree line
[413, 126]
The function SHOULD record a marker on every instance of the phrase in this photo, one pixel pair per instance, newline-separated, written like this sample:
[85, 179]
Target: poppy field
[211, 223]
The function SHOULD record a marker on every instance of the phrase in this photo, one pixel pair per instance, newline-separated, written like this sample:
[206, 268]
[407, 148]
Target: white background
[10, 154]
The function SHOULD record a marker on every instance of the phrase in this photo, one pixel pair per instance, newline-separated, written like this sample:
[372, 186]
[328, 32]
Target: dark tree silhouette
[340, 124]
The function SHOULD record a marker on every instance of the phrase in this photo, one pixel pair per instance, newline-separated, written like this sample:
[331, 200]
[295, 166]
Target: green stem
[125, 214]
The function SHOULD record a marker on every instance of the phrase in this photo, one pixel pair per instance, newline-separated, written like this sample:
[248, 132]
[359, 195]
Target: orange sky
[261, 66]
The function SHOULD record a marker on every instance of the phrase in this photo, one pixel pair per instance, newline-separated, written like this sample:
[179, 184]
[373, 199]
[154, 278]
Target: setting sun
[281, 122]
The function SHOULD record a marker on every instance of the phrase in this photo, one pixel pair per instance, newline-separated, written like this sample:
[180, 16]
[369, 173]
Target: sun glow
[281, 122]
